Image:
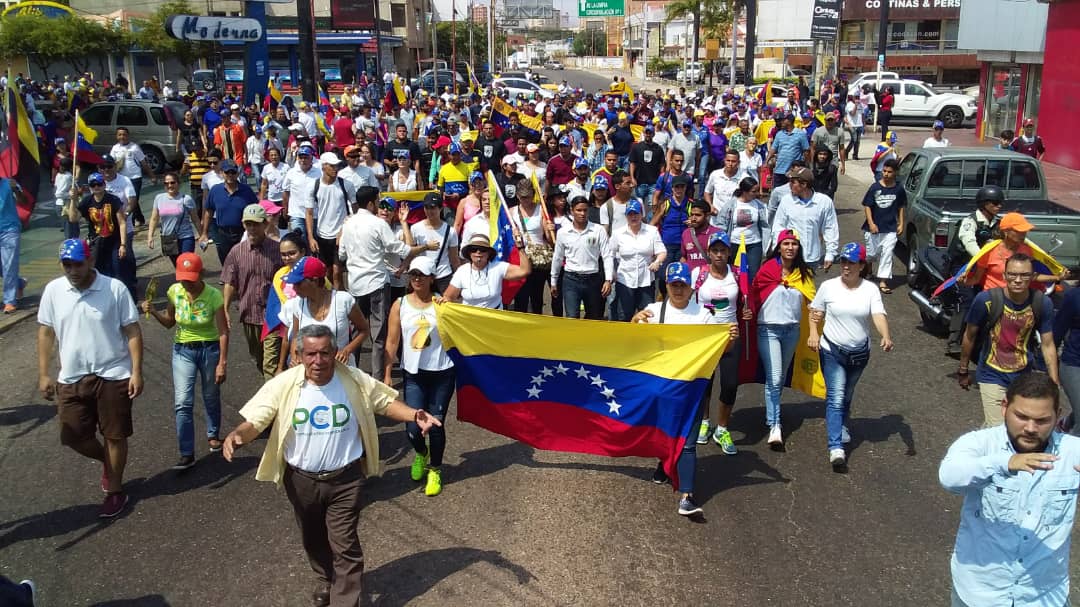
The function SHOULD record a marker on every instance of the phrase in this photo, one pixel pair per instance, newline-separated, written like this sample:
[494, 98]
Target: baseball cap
[788, 234]
[254, 212]
[422, 264]
[258, 129]
[566, 141]
[677, 272]
[307, 267]
[721, 237]
[234, 107]
[1015, 221]
[95, 179]
[832, 116]
[352, 149]
[270, 206]
[854, 252]
[228, 165]
[329, 158]
[476, 175]
[108, 160]
[1029, 122]
[442, 141]
[649, 128]
[581, 163]
[688, 122]
[532, 147]
[802, 174]
[305, 150]
[433, 200]
[74, 249]
[455, 148]
[600, 183]
[302, 105]
[188, 266]
[634, 206]
[939, 125]
[680, 180]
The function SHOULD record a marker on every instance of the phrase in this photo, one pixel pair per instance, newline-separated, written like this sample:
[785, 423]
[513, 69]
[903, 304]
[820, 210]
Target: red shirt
[887, 101]
[343, 135]
[559, 170]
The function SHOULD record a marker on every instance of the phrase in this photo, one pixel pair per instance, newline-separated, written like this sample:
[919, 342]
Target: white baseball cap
[329, 158]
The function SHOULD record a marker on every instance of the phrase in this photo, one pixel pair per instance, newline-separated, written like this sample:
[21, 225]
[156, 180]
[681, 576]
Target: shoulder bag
[539, 254]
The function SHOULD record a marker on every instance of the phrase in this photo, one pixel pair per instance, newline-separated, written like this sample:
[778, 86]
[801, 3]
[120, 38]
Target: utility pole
[734, 43]
[491, 36]
[472, 52]
[305, 22]
[883, 43]
[751, 40]
[378, 43]
[453, 46]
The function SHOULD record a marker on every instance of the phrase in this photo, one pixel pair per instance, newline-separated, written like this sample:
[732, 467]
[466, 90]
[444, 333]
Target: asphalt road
[514, 526]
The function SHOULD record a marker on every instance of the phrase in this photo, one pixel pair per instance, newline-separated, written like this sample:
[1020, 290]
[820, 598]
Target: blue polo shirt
[228, 209]
[9, 214]
[211, 119]
[789, 147]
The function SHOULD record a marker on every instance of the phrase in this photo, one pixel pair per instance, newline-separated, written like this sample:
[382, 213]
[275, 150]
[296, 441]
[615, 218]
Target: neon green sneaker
[434, 482]
[722, 437]
[419, 464]
[703, 432]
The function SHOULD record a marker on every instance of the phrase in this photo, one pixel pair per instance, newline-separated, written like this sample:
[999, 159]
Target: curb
[8, 321]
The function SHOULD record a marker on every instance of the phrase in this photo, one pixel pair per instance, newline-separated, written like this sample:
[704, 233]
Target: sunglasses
[416, 276]
[96, 184]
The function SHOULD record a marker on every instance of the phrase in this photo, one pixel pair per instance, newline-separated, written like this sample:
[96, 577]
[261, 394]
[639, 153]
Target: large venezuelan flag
[20, 155]
[560, 384]
[415, 200]
[1042, 262]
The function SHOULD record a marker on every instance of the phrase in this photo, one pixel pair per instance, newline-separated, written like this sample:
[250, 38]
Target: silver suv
[151, 125]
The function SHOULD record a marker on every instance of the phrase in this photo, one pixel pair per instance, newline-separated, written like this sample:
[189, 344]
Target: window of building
[397, 15]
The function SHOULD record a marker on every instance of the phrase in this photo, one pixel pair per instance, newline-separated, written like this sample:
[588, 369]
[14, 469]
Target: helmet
[989, 193]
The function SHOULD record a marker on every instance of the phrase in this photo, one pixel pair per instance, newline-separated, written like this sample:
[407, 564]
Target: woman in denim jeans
[427, 369]
[848, 304]
[781, 288]
[200, 348]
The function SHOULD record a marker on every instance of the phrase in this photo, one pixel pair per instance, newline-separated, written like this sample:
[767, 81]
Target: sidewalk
[38, 258]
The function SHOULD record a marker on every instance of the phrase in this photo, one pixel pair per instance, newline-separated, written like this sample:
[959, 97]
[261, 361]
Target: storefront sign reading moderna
[213, 29]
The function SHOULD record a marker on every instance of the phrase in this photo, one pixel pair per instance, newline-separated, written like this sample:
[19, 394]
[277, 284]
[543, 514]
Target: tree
[590, 43]
[80, 40]
[29, 35]
[715, 17]
[151, 36]
[45, 41]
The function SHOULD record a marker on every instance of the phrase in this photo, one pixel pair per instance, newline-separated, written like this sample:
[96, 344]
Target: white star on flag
[597, 381]
[534, 392]
[608, 392]
[582, 372]
[561, 369]
[547, 372]
[614, 407]
[538, 379]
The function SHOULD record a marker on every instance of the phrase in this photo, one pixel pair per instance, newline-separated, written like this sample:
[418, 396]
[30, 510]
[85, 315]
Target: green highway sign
[600, 8]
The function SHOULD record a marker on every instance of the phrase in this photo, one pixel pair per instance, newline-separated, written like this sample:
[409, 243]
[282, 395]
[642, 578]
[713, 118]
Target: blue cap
[688, 122]
[228, 165]
[455, 148]
[634, 206]
[677, 272]
[721, 237]
[649, 128]
[95, 178]
[476, 175]
[74, 249]
[306, 267]
[939, 125]
[566, 141]
[600, 183]
[401, 154]
[854, 252]
[581, 162]
[258, 128]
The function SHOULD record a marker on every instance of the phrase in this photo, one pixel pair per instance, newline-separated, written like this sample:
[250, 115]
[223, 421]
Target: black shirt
[491, 152]
[409, 146]
[508, 185]
[648, 161]
[103, 218]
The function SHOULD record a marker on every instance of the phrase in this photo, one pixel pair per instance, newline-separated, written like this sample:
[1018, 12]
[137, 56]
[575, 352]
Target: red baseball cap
[442, 142]
[307, 267]
[189, 267]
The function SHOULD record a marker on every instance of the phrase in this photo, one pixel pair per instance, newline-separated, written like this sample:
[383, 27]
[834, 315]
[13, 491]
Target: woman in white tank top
[315, 303]
[427, 369]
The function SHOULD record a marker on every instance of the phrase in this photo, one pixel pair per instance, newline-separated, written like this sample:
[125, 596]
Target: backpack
[997, 308]
[344, 193]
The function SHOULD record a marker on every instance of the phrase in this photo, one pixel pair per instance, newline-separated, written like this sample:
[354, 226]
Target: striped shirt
[197, 167]
[250, 269]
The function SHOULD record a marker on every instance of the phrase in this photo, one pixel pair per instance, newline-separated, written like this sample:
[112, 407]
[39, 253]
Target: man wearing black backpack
[330, 203]
[1005, 321]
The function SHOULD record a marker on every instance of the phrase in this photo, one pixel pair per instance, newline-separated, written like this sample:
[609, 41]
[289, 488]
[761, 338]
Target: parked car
[693, 72]
[915, 99]
[670, 73]
[207, 81]
[151, 125]
[518, 86]
[429, 83]
[779, 94]
[941, 184]
[724, 75]
[868, 78]
[554, 65]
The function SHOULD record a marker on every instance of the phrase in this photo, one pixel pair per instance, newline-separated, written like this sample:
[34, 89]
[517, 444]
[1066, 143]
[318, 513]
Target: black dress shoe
[321, 597]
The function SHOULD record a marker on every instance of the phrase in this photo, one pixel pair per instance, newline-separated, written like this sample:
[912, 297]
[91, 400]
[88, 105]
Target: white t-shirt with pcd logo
[324, 433]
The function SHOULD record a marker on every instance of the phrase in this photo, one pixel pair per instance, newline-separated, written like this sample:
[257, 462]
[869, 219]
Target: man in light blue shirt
[812, 216]
[1019, 481]
[789, 144]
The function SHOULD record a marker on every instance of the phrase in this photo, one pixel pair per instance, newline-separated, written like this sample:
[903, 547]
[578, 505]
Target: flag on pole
[20, 156]
[605, 388]
[501, 236]
[84, 137]
[324, 100]
[273, 96]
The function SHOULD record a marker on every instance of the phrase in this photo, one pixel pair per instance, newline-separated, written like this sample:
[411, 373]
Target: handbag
[170, 244]
[848, 358]
[539, 254]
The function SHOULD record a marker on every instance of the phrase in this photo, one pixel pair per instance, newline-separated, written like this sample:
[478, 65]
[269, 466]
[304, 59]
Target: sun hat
[478, 241]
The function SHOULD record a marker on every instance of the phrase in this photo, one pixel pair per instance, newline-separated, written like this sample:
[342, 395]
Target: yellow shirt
[276, 401]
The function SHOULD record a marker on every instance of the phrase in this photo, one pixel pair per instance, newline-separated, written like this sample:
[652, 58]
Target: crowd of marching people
[348, 221]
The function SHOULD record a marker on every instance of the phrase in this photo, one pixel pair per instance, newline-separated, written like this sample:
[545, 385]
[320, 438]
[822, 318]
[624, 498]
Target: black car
[668, 73]
[446, 79]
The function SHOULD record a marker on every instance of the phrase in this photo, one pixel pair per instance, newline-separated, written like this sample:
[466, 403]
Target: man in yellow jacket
[323, 442]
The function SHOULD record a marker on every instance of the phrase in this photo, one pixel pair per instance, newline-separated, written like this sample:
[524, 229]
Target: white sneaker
[837, 457]
[845, 436]
[776, 436]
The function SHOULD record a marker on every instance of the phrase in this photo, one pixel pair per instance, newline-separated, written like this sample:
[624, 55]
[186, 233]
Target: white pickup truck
[917, 101]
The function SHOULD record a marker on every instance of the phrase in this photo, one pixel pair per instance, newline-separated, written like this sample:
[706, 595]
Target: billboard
[785, 19]
[903, 10]
[352, 14]
[826, 23]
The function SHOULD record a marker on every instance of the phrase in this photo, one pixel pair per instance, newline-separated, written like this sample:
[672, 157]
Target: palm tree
[713, 16]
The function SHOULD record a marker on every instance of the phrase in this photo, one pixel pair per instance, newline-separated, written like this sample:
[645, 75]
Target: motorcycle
[931, 267]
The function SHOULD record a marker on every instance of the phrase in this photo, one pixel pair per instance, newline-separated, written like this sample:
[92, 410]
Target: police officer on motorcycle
[975, 231]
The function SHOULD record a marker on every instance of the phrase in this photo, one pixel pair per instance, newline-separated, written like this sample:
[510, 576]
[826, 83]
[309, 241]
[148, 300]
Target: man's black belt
[328, 474]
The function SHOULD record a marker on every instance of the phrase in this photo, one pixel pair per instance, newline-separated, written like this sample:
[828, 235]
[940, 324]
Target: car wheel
[953, 117]
[155, 160]
[913, 266]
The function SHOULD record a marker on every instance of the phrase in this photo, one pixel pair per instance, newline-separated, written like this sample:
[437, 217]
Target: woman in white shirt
[537, 233]
[367, 158]
[272, 178]
[175, 213]
[403, 179]
[848, 304]
[782, 286]
[682, 308]
[716, 286]
[428, 372]
[396, 214]
[745, 216]
[480, 281]
[639, 253]
[534, 166]
[317, 304]
[749, 160]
